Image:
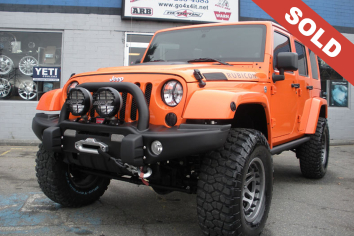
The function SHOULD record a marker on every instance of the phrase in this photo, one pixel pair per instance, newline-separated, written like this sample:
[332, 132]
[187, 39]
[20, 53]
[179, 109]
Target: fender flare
[311, 113]
[216, 104]
[51, 101]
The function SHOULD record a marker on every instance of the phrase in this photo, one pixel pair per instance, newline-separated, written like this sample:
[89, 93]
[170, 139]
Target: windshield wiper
[206, 59]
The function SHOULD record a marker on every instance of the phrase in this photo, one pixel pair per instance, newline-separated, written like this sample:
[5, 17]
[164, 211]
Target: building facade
[42, 44]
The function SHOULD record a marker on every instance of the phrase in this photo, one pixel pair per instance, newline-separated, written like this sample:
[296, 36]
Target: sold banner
[317, 34]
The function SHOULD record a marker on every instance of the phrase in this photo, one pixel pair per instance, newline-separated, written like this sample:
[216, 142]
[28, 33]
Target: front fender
[215, 104]
[51, 101]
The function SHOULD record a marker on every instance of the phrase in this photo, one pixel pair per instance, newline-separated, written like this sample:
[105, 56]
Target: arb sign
[336, 50]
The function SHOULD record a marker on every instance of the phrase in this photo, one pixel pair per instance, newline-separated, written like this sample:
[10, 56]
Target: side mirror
[286, 61]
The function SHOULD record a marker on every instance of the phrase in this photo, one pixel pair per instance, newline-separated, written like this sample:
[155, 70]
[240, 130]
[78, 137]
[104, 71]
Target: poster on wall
[182, 10]
[338, 94]
[48, 74]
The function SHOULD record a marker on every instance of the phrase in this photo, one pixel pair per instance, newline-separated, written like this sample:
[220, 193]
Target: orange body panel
[51, 101]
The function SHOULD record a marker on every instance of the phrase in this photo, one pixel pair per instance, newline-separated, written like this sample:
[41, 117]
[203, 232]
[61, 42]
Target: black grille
[148, 90]
[122, 110]
[134, 107]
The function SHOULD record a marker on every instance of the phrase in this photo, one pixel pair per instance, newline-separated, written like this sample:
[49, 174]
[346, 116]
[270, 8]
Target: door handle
[309, 87]
[295, 85]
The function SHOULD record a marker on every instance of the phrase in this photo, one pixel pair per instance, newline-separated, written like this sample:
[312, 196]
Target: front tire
[235, 185]
[313, 155]
[63, 184]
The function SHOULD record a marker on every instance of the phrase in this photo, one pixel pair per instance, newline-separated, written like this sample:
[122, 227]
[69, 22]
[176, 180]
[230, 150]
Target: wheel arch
[253, 116]
[314, 108]
[252, 109]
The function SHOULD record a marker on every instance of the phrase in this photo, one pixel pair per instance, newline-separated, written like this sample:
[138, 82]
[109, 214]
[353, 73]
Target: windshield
[239, 43]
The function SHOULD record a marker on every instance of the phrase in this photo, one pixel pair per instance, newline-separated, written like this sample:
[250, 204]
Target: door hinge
[273, 122]
[273, 90]
[299, 119]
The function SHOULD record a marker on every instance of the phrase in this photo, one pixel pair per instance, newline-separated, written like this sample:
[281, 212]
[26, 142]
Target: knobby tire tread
[50, 172]
[309, 153]
[220, 183]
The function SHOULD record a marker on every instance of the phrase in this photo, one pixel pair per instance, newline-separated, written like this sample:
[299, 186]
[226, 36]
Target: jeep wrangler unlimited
[203, 112]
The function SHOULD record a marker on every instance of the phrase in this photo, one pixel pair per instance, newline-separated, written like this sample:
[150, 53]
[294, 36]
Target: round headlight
[107, 102]
[71, 85]
[79, 101]
[172, 93]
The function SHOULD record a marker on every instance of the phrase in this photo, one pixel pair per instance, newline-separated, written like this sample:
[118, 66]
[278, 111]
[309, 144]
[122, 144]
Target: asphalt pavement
[299, 207]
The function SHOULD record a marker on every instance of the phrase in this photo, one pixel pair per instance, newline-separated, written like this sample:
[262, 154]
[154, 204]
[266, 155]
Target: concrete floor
[299, 207]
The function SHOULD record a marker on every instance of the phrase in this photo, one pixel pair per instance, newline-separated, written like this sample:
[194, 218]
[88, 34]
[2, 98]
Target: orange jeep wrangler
[203, 112]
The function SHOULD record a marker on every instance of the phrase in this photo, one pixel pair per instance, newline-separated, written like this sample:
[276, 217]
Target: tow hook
[134, 170]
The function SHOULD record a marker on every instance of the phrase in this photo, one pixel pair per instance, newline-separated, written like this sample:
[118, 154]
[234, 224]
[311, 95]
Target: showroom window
[30, 64]
[135, 46]
[335, 88]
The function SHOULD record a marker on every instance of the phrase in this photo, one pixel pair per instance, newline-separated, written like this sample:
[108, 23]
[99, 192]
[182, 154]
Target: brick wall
[90, 41]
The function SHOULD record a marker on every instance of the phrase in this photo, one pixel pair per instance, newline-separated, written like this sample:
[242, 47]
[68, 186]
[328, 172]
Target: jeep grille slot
[134, 107]
[148, 90]
[122, 111]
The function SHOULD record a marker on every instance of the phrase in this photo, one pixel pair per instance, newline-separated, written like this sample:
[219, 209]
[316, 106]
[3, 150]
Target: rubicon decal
[242, 75]
[146, 11]
[317, 34]
[222, 15]
[184, 13]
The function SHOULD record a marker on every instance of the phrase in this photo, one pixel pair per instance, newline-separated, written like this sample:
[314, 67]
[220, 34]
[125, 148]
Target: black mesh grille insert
[148, 90]
[134, 107]
[122, 110]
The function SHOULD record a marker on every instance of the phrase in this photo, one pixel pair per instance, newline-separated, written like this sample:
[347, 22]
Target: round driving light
[71, 85]
[172, 93]
[107, 102]
[156, 147]
[79, 101]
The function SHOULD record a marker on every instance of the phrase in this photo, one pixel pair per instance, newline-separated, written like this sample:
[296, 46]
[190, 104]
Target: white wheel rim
[5, 87]
[27, 90]
[6, 65]
[26, 65]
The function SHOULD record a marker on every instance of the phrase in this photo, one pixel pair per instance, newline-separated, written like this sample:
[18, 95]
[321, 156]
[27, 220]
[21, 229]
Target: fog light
[107, 102]
[156, 147]
[79, 101]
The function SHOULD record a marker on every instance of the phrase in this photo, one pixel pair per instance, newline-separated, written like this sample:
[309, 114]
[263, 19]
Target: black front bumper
[129, 142]
[132, 146]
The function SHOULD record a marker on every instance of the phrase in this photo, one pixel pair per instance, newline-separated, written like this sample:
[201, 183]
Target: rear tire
[313, 155]
[63, 184]
[235, 185]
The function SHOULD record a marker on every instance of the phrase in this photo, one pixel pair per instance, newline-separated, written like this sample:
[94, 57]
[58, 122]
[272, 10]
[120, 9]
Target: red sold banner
[317, 34]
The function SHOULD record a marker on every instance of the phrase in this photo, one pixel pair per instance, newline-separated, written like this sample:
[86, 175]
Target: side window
[314, 68]
[281, 44]
[300, 50]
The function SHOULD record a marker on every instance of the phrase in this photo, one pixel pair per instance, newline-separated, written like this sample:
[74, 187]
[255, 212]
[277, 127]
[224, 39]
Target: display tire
[63, 185]
[223, 185]
[314, 154]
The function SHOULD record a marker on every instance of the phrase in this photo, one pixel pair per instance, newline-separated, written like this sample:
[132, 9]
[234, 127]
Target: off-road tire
[222, 183]
[313, 155]
[57, 181]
